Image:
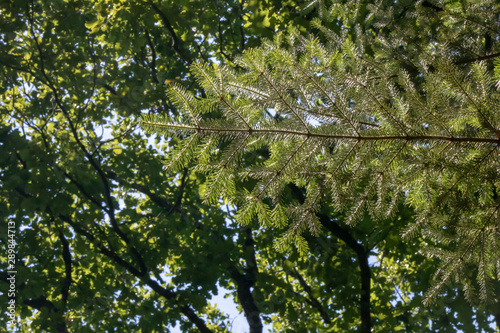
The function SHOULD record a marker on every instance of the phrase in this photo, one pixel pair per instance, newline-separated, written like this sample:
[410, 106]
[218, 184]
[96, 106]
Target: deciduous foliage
[107, 239]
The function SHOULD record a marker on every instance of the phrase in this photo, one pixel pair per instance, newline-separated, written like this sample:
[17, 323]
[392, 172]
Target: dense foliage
[393, 104]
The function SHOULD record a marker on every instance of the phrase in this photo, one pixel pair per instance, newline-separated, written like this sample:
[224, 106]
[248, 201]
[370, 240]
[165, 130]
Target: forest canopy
[331, 166]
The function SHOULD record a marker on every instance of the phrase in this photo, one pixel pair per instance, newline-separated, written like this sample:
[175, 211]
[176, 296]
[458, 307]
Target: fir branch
[278, 131]
[464, 174]
[282, 98]
[462, 89]
[178, 93]
[478, 58]
[220, 96]
[457, 262]
[382, 106]
[365, 197]
[421, 129]
[278, 173]
[327, 95]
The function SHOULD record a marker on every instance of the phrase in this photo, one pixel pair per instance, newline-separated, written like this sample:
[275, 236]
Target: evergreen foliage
[107, 240]
[360, 120]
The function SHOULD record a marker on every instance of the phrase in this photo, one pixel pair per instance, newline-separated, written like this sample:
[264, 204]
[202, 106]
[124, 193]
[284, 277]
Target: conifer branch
[249, 89]
[179, 93]
[464, 92]
[220, 96]
[278, 173]
[278, 131]
[478, 58]
[330, 99]
[457, 262]
[426, 109]
[478, 23]
[465, 173]
[331, 177]
[282, 98]
[373, 182]
[369, 141]
[235, 151]
[382, 106]
[181, 155]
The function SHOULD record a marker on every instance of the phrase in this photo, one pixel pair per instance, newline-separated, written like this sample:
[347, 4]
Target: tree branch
[362, 255]
[243, 286]
[35, 303]
[143, 189]
[242, 34]
[67, 264]
[180, 194]
[107, 191]
[485, 57]
[168, 294]
[40, 302]
[246, 281]
[175, 40]
[279, 131]
[312, 300]
[251, 268]
[153, 56]
[83, 191]
[221, 44]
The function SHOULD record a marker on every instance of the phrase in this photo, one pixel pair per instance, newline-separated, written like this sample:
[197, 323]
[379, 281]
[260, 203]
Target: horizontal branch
[250, 131]
[485, 57]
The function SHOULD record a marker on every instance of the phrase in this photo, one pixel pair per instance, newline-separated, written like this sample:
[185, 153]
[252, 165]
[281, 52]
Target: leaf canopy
[360, 132]
[109, 239]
